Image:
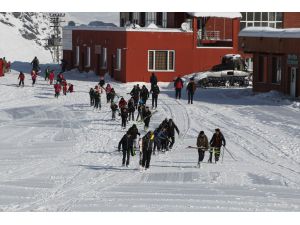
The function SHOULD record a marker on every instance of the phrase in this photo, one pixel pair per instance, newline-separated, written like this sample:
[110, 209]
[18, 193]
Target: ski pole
[229, 153]
[223, 154]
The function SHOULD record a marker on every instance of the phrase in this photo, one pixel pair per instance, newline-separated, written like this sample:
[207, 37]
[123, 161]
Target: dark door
[159, 18]
[112, 72]
[142, 19]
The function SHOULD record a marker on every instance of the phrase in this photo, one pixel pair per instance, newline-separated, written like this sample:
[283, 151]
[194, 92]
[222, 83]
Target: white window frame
[88, 57]
[168, 63]
[269, 22]
[77, 55]
[104, 58]
[118, 59]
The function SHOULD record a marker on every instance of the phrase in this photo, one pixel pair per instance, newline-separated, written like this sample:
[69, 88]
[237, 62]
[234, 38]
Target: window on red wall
[261, 68]
[161, 60]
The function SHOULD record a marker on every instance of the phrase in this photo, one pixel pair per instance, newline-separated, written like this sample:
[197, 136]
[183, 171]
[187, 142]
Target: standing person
[63, 65]
[102, 81]
[131, 109]
[108, 90]
[178, 84]
[112, 95]
[124, 116]
[47, 73]
[147, 147]
[4, 65]
[57, 89]
[60, 77]
[8, 66]
[146, 116]
[191, 88]
[144, 95]
[153, 80]
[135, 93]
[21, 78]
[134, 132]
[114, 109]
[65, 86]
[141, 109]
[155, 92]
[202, 144]
[33, 77]
[126, 143]
[1, 68]
[97, 97]
[51, 77]
[35, 64]
[171, 132]
[92, 96]
[216, 143]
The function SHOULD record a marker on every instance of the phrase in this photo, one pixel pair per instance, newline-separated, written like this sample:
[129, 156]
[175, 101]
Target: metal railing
[209, 35]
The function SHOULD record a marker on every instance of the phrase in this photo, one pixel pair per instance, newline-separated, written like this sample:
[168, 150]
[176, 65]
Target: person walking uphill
[35, 64]
[202, 144]
[178, 84]
[155, 92]
[171, 132]
[126, 143]
[146, 116]
[191, 88]
[134, 132]
[147, 146]
[57, 89]
[216, 143]
[33, 77]
[92, 97]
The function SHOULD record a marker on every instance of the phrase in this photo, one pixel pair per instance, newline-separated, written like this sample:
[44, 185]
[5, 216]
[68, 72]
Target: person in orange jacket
[21, 78]
[33, 77]
[51, 77]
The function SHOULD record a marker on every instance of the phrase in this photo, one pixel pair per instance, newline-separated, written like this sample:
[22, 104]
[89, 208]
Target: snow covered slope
[60, 155]
[23, 36]
[87, 17]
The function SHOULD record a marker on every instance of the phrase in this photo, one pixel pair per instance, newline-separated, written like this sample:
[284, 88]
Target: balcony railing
[212, 38]
[210, 35]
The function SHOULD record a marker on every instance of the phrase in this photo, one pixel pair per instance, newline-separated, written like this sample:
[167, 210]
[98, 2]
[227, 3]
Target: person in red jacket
[65, 86]
[21, 78]
[57, 89]
[108, 90]
[51, 77]
[178, 84]
[122, 103]
[33, 77]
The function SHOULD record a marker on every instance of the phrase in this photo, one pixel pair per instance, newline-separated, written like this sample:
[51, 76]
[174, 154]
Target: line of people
[190, 89]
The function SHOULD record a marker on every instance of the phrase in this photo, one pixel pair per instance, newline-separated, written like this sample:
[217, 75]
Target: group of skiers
[191, 88]
[162, 139]
[4, 66]
[214, 146]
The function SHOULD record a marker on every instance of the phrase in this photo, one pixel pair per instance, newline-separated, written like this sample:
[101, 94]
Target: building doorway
[293, 82]
[112, 71]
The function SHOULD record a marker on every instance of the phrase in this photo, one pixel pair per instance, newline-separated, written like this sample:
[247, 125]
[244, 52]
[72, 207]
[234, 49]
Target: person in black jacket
[171, 132]
[147, 147]
[124, 116]
[35, 64]
[126, 143]
[144, 95]
[155, 92]
[92, 96]
[153, 80]
[216, 142]
[191, 87]
[147, 115]
[131, 109]
[135, 93]
[134, 132]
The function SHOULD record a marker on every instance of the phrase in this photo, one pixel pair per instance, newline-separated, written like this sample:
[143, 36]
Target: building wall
[291, 19]
[220, 24]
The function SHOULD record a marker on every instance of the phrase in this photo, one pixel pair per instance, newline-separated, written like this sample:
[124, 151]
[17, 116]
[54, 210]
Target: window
[104, 58]
[161, 60]
[264, 19]
[276, 70]
[77, 55]
[119, 54]
[88, 57]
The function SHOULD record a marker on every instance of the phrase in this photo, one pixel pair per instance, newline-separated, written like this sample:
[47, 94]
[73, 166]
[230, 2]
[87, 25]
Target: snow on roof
[152, 25]
[270, 32]
[231, 15]
[136, 29]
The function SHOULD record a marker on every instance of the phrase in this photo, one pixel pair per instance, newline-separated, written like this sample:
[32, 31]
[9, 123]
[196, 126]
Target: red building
[276, 54]
[180, 44]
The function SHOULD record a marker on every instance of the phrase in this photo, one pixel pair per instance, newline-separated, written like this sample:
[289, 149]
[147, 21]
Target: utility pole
[55, 41]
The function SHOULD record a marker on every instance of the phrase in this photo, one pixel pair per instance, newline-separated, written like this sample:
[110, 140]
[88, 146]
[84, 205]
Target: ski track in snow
[60, 154]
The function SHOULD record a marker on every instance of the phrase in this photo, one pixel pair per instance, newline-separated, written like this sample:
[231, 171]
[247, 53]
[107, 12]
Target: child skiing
[51, 77]
[92, 97]
[108, 91]
[57, 89]
[147, 145]
[202, 144]
[114, 109]
[147, 115]
[124, 116]
[155, 92]
[97, 98]
[33, 77]
[126, 143]
[131, 109]
[21, 78]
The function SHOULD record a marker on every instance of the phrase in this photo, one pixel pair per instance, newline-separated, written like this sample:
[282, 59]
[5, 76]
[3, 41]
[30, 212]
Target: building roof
[270, 32]
[125, 29]
[230, 15]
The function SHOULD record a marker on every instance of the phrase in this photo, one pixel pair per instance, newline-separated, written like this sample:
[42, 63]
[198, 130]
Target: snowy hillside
[87, 17]
[23, 36]
[60, 155]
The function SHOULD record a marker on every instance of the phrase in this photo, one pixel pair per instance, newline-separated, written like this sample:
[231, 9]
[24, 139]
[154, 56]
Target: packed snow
[60, 154]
